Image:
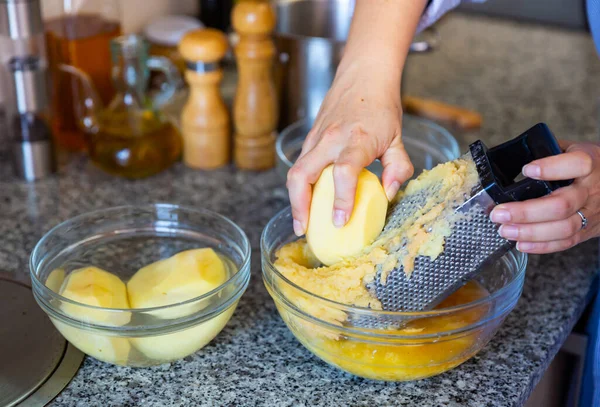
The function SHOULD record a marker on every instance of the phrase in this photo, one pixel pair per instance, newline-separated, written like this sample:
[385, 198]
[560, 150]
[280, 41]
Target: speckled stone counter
[515, 75]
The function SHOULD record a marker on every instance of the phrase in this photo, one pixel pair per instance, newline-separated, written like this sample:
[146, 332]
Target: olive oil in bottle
[134, 145]
[130, 137]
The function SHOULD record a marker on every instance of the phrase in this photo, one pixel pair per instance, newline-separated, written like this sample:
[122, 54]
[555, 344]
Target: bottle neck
[130, 72]
[129, 81]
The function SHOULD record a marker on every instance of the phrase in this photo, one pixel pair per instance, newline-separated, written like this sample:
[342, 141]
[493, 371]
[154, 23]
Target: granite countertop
[515, 75]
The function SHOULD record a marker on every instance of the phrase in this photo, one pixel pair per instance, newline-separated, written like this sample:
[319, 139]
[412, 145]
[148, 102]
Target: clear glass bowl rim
[448, 137]
[243, 272]
[519, 258]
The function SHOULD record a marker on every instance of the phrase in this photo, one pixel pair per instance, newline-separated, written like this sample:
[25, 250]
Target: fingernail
[524, 246]
[532, 171]
[509, 231]
[392, 190]
[339, 218]
[298, 229]
[500, 215]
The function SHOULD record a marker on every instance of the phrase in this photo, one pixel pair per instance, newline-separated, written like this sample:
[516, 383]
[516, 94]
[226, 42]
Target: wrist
[370, 71]
[380, 37]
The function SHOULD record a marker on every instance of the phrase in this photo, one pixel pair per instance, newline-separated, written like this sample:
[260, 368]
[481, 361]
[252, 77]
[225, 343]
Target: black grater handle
[498, 167]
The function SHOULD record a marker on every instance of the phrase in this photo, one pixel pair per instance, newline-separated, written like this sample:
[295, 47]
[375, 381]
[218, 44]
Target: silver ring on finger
[584, 221]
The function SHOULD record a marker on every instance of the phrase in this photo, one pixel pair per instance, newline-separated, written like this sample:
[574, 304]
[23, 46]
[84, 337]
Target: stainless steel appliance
[24, 74]
[37, 362]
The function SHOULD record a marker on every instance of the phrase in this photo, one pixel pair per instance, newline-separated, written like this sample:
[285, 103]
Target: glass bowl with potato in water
[141, 285]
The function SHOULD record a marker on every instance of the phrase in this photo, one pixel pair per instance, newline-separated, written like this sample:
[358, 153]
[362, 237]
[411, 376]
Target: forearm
[380, 36]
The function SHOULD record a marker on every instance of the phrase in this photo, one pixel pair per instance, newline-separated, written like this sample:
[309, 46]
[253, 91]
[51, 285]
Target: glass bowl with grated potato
[430, 343]
[141, 285]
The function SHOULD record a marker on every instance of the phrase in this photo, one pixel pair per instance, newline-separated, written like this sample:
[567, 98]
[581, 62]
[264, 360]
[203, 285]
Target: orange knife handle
[431, 109]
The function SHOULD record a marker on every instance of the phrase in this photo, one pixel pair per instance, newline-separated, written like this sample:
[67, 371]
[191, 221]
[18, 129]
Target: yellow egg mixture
[345, 282]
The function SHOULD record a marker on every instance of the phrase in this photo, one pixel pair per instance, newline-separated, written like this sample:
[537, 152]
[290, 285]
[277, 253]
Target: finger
[314, 136]
[301, 176]
[310, 142]
[548, 247]
[561, 204]
[542, 232]
[397, 168]
[572, 164]
[345, 177]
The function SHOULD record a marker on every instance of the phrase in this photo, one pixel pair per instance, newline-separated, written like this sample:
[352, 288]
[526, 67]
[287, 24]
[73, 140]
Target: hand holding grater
[474, 240]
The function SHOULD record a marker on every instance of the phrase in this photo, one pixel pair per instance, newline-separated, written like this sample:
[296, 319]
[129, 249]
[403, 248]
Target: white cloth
[437, 8]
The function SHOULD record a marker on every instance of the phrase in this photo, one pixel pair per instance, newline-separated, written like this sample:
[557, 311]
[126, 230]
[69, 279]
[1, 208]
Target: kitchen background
[134, 15]
[460, 75]
[137, 13]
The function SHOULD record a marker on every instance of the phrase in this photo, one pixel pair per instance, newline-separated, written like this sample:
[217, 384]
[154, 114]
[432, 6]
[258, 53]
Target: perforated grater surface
[474, 240]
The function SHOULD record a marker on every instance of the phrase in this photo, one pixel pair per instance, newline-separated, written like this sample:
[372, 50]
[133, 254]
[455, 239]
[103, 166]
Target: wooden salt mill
[205, 118]
[255, 110]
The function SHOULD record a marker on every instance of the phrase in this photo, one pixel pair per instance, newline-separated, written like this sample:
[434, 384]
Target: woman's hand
[360, 118]
[359, 121]
[552, 224]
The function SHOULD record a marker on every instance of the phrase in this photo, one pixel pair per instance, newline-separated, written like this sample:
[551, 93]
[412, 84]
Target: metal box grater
[474, 240]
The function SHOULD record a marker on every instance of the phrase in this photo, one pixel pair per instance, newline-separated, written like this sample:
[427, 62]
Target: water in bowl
[123, 255]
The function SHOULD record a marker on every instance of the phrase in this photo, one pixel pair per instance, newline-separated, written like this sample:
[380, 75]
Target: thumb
[397, 168]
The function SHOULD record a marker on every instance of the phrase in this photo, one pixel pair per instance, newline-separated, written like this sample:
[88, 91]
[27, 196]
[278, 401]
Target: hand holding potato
[360, 119]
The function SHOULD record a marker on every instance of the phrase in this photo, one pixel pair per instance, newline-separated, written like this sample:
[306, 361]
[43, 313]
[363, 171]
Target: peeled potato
[332, 245]
[99, 288]
[182, 277]
[102, 347]
[179, 278]
[180, 344]
[55, 280]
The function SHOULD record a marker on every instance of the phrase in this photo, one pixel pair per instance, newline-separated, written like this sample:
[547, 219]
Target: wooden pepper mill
[205, 118]
[255, 110]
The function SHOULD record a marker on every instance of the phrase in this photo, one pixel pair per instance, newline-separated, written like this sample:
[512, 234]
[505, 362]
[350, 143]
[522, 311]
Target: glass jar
[78, 33]
[164, 35]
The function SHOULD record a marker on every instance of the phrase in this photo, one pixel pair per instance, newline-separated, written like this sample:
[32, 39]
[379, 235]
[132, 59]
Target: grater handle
[498, 167]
